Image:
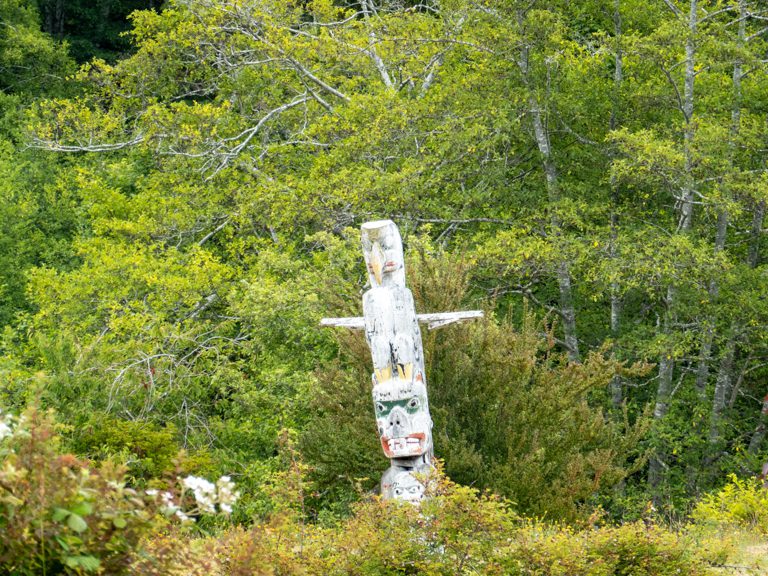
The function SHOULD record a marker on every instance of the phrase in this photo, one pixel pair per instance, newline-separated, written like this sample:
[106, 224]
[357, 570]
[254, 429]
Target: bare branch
[674, 8]
[372, 40]
[54, 146]
[213, 232]
[679, 96]
[757, 34]
[299, 66]
[251, 132]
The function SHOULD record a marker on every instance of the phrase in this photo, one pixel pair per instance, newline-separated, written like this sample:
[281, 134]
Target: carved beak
[377, 262]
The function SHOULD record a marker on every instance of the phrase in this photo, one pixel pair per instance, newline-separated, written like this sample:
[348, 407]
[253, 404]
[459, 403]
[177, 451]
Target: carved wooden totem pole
[399, 381]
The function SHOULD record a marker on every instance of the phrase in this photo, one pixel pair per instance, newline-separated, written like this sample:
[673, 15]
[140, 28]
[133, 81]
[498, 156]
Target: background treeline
[181, 208]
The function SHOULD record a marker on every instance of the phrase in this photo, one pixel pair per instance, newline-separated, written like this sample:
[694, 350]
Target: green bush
[57, 515]
[148, 450]
[740, 503]
[60, 516]
[511, 414]
[636, 549]
[457, 531]
[63, 515]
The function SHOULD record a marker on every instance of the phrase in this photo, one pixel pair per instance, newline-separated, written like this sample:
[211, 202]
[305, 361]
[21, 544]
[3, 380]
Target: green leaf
[119, 522]
[82, 508]
[87, 563]
[76, 523]
[60, 514]
[63, 543]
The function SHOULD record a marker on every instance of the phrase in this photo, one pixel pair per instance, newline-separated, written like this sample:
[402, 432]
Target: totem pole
[399, 382]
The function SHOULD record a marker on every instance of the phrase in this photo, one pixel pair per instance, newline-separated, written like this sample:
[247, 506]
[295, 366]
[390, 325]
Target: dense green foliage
[57, 514]
[741, 503]
[60, 517]
[177, 214]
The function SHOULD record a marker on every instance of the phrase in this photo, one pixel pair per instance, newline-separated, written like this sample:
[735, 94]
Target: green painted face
[410, 405]
[402, 418]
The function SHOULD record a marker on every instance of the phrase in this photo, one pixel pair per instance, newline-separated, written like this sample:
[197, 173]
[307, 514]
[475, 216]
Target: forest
[182, 185]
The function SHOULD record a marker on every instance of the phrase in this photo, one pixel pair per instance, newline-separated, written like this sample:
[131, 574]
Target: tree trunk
[756, 441]
[53, 17]
[541, 135]
[617, 395]
[686, 207]
[666, 369]
[101, 25]
[685, 222]
[705, 352]
[757, 226]
[724, 381]
[722, 388]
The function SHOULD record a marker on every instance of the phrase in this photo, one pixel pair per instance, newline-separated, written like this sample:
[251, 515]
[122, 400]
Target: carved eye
[398, 491]
[413, 402]
[379, 407]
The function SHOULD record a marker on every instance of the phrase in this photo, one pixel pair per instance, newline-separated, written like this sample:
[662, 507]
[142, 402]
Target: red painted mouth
[411, 445]
[388, 266]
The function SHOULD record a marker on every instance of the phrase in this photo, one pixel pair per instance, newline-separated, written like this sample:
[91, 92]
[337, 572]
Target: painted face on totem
[383, 251]
[405, 487]
[402, 417]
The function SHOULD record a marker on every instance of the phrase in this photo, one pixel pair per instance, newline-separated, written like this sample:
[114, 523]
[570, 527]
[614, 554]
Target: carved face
[404, 486]
[383, 251]
[402, 417]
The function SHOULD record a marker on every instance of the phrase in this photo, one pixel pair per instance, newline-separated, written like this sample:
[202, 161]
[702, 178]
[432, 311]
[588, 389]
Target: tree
[30, 61]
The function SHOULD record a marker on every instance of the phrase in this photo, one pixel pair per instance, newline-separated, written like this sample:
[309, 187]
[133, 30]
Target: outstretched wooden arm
[434, 320]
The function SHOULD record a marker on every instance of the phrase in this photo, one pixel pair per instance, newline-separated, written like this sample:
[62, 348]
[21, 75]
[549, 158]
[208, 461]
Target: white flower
[183, 517]
[5, 430]
[6, 426]
[209, 495]
[227, 495]
[205, 492]
[151, 492]
[169, 506]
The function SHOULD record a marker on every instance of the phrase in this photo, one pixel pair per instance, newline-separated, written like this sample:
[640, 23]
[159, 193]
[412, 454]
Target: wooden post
[391, 325]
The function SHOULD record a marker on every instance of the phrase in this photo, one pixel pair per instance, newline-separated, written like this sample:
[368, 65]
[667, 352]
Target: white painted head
[383, 252]
[406, 487]
[402, 417]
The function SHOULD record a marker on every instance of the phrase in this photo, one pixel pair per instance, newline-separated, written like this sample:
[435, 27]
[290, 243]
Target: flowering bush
[60, 515]
[6, 426]
[57, 514]
[456, 531]
[209, 498]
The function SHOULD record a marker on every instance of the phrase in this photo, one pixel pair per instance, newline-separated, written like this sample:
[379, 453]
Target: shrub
[172, 552]
[636, 549]
[59, 515]
[457, 531]
[740, 503]
[148, 449]
[56, 514]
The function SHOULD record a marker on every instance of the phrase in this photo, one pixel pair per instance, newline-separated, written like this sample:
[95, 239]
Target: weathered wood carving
[392, 330]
